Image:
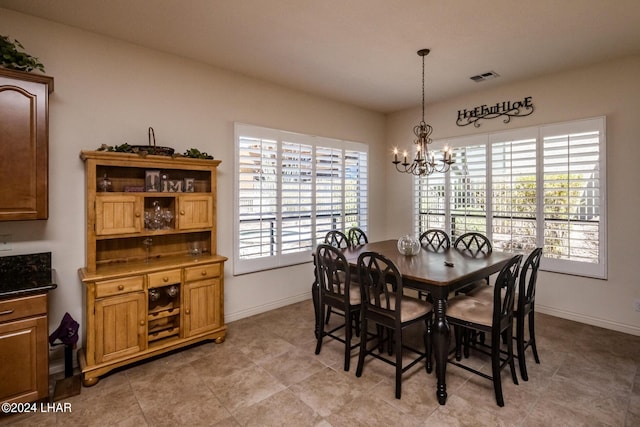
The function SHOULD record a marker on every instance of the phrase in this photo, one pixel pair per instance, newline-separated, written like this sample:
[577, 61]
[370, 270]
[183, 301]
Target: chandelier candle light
[424, 162]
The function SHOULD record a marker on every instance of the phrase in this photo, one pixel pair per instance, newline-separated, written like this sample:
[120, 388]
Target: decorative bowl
[408, 245]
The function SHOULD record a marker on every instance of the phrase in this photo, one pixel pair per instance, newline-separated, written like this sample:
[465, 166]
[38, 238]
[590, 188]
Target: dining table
[439, 274]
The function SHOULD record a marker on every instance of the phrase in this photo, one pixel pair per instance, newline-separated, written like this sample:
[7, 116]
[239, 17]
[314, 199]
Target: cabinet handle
[120, 287]
[181, 212]
[137, 214]
[2, 313]
[204, 272]
[165, 279]
[142, 323]
[187, 311]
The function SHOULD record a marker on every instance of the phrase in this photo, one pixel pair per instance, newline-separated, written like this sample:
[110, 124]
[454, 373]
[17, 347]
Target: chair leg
[347, 339]
[532, 337]
[512, 365]
[495, 372]
[328, 316]
[521, 347]
[321, 329]
[427, 345]
[363, 348]
[458, 331]
[398, 350]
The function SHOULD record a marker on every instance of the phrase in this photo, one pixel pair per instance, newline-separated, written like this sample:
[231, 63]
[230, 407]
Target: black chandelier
[424, 163]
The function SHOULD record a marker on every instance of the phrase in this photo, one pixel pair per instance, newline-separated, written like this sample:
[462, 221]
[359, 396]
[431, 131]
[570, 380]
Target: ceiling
[363, 52]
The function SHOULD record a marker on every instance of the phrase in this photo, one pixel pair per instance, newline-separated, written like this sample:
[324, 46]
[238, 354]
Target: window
[524, 188]
[290, 190]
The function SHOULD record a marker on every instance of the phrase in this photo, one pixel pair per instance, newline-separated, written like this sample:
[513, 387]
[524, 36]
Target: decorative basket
[153, 149]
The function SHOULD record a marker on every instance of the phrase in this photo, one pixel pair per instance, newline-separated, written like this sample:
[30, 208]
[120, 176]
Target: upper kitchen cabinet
[24, 145]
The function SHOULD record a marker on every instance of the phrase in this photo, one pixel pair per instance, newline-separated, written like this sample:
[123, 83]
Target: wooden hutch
[153, 280]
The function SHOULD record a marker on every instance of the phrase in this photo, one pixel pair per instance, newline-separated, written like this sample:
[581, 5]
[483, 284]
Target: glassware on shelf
[172, 291]
[147, 245]
[104, 184]
[408, 245]
[154, 294]
[158, 218]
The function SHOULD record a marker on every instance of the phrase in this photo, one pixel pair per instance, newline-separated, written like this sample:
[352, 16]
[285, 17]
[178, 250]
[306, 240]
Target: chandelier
[424, 162]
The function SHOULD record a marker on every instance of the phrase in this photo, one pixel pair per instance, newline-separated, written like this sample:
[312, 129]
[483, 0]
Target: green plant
[12, 57]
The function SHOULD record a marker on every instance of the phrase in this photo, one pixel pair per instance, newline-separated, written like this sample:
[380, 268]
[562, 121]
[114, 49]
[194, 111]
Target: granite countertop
[26, 274]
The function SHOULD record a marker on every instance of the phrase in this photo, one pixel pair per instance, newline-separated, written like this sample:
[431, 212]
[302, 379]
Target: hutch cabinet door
[202, 306]
[118, 215]
[120, 326]
[195, 211]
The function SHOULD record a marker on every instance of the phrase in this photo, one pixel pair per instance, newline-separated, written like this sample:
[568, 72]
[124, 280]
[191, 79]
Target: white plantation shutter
[297, 197]
[431, 202]
[257, 197]
[468, 200]
[290, 190]
[533, 187]
[329, 191]
[574, 197]
[514, 191]
[356, 203]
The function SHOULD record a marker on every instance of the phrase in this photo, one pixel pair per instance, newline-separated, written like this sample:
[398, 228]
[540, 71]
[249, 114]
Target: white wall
[110, 92]
[610, 90]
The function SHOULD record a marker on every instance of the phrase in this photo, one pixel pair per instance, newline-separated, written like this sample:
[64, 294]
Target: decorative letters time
[506, 108]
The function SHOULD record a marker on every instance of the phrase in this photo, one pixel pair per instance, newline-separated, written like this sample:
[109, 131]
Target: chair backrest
[380, 287]
[528, 278]
[337, 239]
[357, 236]
[474, 244]
[504, 295]
[435, 240]
[332, 271]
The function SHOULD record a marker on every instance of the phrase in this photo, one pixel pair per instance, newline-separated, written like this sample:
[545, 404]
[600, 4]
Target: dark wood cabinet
[24, 141]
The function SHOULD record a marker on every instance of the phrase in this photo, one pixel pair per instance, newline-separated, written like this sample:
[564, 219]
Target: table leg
[441, 346]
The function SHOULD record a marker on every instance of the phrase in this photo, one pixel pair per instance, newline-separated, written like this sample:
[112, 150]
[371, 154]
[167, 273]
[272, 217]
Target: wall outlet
[5, 242]
[636, 304]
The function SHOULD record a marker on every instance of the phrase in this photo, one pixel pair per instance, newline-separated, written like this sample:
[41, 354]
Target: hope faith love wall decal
[507, 109]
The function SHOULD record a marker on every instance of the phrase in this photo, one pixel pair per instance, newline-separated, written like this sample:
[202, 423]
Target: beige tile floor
[266, 374]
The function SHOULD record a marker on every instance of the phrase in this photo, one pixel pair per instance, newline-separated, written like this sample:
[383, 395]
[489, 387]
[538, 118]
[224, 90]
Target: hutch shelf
[153, 281]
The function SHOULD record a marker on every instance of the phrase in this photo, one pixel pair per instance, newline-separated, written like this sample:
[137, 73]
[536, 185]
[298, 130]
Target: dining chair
[524, 308]
[384, 305]
[357, 236]
[435, 240]
[337, 239]
[475, 245]
[494, 318]
[338, 291]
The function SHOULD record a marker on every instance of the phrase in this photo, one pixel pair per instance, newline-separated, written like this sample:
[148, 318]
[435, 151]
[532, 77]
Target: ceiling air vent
[484, 76]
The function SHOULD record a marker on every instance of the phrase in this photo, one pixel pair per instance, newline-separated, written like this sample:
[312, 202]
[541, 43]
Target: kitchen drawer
[202, 272]
[119, 286]
[18, 308]
[163, 278]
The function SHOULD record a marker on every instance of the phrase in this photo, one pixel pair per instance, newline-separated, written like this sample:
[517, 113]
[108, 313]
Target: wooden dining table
[437, 273]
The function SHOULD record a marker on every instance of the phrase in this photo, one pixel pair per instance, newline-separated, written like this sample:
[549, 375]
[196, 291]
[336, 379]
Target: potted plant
[13, 57]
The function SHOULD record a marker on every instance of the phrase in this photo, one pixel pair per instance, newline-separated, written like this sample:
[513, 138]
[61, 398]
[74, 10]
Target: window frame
[324, 151]
[540, 133]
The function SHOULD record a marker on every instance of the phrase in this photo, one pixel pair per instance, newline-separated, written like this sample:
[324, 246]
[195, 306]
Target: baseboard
[272, 305]
[593, 321]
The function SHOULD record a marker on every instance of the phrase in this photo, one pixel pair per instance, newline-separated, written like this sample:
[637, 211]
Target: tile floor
[266, 374]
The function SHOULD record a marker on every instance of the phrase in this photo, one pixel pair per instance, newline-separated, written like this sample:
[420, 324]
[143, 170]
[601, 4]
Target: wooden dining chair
[336, 290]
[384, 305]
[524, 308]
[494, 318]
[357, 236]
[337, 239]
[474, 245]
[435, 240]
